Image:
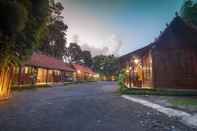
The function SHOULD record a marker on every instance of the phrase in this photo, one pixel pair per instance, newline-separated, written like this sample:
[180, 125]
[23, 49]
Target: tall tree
[106, 65]
[21, 27]
[189, 12]
[87, 58]
[73, 53]
[55, 40]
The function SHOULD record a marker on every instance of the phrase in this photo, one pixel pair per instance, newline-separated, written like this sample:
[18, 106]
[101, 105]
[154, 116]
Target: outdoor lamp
[78, 71]
[136, 61]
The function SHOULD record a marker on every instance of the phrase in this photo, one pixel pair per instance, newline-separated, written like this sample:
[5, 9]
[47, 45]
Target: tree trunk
[6, 78]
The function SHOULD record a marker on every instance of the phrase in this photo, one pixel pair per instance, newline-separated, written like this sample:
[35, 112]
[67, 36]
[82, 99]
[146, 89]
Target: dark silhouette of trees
[106, 65]
[87, 58]
[22, 26]
[73, 53]
[189, 12]
[55, 38]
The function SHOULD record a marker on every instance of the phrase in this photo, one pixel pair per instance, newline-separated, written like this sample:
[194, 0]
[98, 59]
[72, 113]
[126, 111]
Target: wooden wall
[175, 68]
[147, 69]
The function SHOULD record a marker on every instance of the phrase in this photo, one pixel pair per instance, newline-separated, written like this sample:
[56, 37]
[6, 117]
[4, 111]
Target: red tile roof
[44, 61]
[83, 69]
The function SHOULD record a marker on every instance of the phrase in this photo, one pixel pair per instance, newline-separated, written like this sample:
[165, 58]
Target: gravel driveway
[81, 107]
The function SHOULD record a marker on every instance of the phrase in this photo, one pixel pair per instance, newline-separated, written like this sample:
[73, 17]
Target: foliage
[73, 53]
[189, 12]
[87, 58]
[121, 78]
[16, 20]
[55, 38]
[106, 65]
[184, 101]
[158, 92]
[21, 28]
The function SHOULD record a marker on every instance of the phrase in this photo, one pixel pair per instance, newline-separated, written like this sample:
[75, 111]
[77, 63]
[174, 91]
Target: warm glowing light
[79, 72]
[26, 70]
[5, 83]
[136, 61]
[127, 71]
[97, 75]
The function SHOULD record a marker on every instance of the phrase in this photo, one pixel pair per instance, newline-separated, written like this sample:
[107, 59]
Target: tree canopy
[73, 53]
[21, 27]
[87, 58]
[55, 39]
[106, 65]
[189, 12]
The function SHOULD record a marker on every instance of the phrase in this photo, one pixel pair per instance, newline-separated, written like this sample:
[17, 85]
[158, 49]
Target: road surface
[82, 107]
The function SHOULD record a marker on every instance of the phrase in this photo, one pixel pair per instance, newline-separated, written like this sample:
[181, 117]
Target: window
[26, 70]
[147, 67]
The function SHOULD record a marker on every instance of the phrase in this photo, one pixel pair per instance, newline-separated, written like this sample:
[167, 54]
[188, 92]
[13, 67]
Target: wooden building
[42, 69]
[84, 73]
[169, 62]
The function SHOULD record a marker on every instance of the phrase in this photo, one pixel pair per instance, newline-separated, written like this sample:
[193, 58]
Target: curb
[185, 118]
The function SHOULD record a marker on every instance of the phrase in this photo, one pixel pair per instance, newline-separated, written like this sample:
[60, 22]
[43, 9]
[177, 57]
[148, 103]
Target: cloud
[110, 46]
[113, 44]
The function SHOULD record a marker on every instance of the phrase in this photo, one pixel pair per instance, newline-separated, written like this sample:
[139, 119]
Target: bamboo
[5, 85]
[5, 81]
[2, 81]
[11, 75]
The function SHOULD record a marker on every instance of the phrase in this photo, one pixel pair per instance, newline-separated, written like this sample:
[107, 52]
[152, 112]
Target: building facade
[169, 62]
[42, 69]
[84, 73]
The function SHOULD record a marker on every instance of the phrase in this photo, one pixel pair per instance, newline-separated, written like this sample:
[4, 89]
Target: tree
[106, 65]
[22, 27]
[87, 58]
[73, 53]
[55, 38]
[189, 12]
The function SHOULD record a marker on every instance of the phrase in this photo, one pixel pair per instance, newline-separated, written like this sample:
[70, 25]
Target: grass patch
[158, 92]
[184, 102]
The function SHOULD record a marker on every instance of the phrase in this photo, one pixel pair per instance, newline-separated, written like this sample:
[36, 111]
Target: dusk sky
[117, 26]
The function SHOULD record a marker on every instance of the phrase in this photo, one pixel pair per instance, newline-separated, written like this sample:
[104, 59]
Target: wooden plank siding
[170, 61]
[175, 68]
[147, 70]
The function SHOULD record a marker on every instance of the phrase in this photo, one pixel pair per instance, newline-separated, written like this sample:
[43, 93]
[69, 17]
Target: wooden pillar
[129, 76]
[36, 74]
[62, 76]
[32, 75]
[19, 75]
[143, 71]
[47, 76]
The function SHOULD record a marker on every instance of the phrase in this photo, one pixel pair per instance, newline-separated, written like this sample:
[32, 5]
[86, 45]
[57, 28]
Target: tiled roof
[44, 61]
[83, 69]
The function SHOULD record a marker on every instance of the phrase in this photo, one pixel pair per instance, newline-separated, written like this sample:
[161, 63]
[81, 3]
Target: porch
[139, 71]
[30, 75]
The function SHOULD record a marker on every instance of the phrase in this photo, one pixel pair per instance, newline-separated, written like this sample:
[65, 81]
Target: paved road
[83, 107]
